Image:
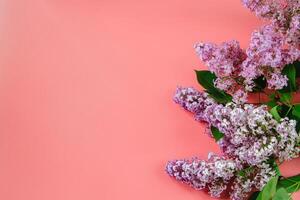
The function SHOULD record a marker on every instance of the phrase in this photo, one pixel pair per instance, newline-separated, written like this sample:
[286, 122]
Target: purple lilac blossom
[213, 174]
[220, 176]
[284, 16]
[251, 134]
[263, 8]
[254, 179]
[223, 60]
[267, 56]
[193, 100]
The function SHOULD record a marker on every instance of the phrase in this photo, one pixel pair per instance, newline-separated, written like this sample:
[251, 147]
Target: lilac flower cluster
[255, 178]
[251, 134]
[193, 100]
[214, 174]
[284, 15]
[267, 56]
[251, 137]
[224, 61]
[271, 48]
[220, 175]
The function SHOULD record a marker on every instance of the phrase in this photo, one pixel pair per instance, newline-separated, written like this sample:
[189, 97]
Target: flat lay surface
[86, 95]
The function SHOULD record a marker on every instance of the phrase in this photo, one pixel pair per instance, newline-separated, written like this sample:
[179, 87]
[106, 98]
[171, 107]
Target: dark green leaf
[260, 84]
[275, 113]
[296, 110]
[281, 194]
[206, 79]
[285, 97]
[297, 66]
[216, 133]
[291, 184]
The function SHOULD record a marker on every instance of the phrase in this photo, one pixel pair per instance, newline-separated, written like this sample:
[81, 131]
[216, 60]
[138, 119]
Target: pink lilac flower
[284, 15]
[293, 34]
[222, 60]
[263, 8]
[225, 84]
[240, 97]
[267, 56]
[277, 81]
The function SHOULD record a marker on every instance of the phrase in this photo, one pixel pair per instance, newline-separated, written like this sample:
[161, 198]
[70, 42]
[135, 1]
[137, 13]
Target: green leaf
[272, 162]
[281, 194]
[219, 96]
[291, 184]
[290, 72]
[277, 170]
[296, 110]
[272, 101]
[297, 66]
[216, 133]
[269, 189]
[286, 97]
[206, 79]
[275, 113]
[260, 84]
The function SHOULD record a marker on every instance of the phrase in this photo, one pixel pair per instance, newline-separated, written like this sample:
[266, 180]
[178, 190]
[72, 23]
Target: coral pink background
[86, 95]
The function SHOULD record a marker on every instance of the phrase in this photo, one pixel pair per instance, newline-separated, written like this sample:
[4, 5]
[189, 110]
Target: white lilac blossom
[251, 134]
[254, 179]
[213, 174]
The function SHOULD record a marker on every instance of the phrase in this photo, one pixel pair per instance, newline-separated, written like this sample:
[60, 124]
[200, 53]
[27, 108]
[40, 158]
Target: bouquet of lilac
[254, 138]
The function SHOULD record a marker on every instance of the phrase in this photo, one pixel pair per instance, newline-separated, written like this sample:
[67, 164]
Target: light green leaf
[285, 97]
[291, 184]
[275, 113]
[269, 189]
[281, 194]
